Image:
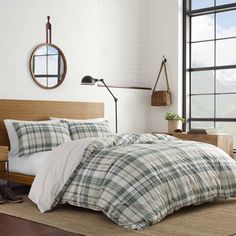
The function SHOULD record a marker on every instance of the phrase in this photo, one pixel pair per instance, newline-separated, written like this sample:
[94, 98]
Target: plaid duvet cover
[138, 179]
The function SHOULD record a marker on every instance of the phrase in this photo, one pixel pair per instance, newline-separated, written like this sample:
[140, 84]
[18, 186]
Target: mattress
[28, 165]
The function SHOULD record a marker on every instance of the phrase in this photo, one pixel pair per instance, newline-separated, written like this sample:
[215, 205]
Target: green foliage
[171, 115]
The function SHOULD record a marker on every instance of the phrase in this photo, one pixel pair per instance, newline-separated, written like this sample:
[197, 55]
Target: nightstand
[223, 141]
[4, 159]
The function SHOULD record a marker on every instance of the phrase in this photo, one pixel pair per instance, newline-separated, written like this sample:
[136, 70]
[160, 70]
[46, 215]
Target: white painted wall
[165, 38]
[79, 31]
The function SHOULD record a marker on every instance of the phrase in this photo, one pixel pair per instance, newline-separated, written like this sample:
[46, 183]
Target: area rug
[210, 219]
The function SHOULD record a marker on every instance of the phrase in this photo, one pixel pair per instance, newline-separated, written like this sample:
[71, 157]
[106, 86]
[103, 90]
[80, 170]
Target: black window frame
[187, 69]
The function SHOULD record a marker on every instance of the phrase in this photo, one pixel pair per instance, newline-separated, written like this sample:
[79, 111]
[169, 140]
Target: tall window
[210, 65]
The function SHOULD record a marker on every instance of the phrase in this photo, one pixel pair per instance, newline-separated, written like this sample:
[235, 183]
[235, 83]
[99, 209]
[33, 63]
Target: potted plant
[174, 121]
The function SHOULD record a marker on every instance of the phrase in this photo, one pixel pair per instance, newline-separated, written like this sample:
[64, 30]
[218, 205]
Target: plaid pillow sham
[166, 137]
[79, 130]
[40, 137]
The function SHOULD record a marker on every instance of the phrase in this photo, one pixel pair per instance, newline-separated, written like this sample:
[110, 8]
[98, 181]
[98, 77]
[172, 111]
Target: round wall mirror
[48, 66]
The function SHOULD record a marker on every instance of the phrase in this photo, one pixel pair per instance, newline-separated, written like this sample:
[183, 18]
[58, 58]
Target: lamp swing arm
[89, 80]
[115, 99]
[102, 80]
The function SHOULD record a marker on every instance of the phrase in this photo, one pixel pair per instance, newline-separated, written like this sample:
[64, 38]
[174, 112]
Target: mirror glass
[48, 66]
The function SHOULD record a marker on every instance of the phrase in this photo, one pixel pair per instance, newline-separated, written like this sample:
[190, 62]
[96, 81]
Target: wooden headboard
[42, 110]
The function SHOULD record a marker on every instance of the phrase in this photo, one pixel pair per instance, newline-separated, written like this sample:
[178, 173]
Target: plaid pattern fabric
[165, 137]
[40, 137]
[138, 179]
[79, 130]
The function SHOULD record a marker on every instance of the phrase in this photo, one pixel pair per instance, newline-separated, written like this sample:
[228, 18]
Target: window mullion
[190, 67]
[215, 55]
[210, 10]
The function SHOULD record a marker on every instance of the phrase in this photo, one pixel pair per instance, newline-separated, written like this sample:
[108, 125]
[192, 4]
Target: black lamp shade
[88, 80]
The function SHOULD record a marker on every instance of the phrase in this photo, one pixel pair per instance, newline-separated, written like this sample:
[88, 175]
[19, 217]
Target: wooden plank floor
[12, 226]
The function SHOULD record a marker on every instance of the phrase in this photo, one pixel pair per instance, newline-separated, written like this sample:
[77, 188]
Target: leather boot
[2, 200]
[9, 196]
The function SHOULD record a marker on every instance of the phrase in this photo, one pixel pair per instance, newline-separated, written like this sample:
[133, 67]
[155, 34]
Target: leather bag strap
[163, 64]
[167, 80]
[48, 31]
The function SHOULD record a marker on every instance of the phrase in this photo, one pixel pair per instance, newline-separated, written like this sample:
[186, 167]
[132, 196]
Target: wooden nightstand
[223, 141]
[4, 159]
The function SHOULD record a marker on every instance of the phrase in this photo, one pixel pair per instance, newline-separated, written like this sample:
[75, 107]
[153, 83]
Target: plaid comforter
[138, 179]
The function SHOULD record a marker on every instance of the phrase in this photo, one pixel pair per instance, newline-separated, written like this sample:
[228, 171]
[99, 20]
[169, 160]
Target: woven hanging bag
[161, 97]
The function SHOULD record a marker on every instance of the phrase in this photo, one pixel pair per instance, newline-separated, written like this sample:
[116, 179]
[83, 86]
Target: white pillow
[12, 135]
[76, 120]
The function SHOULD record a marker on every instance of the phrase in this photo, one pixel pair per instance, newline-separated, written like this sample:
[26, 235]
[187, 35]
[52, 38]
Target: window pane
[44, 50]
[42, 80]
[226, 106]
[52, 65]
[202, 106]
[197, 4]
[52, 81]
[226, 81]
[202, 27]
[202, 82]
[223, 2]
[202, 54]
[225, 24]
[52, 50]
[202, 125]
[61, 65]
[41, 51]
[227, 127]
[225, 52]
[40, 65]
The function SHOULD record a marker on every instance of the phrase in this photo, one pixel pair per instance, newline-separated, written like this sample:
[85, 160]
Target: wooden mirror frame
[64, 64]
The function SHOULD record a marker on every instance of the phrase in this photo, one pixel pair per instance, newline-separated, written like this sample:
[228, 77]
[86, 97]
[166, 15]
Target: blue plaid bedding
[138, 179]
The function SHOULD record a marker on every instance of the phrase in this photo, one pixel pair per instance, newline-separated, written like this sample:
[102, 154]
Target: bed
[134, 179]
[40, 110]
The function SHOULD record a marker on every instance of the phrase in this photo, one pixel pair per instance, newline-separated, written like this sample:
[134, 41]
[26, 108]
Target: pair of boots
[6, 195]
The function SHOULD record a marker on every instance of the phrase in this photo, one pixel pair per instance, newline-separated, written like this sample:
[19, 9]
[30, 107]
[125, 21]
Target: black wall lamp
[89, 80]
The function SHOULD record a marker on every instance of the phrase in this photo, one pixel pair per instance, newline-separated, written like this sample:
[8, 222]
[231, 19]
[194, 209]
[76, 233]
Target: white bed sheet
[55, 172]
[28, 165]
